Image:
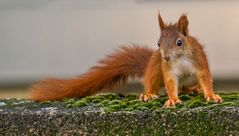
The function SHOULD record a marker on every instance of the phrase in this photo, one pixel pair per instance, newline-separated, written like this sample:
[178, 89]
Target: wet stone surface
[115, 114]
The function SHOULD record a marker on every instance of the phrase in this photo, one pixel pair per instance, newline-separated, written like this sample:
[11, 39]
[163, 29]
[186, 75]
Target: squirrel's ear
[161, 23]
[182, 25]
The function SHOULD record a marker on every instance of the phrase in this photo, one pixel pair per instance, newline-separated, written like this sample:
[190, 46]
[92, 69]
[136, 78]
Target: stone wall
[113, 114]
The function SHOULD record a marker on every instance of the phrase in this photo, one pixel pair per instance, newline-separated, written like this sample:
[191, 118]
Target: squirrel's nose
[167, 58]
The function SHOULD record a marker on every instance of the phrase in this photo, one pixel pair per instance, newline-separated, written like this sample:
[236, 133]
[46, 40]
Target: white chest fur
[185, 71]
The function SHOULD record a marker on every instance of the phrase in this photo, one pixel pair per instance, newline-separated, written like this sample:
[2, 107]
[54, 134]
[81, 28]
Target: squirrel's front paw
[147, 97]
[215, 98]
[171, 103]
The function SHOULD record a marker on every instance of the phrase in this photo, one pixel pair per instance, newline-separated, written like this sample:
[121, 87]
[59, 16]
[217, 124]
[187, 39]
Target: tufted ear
[161, 23]
[182, 25]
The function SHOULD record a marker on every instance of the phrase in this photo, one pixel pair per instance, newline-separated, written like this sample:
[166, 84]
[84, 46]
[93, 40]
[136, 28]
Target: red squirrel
[179, 64]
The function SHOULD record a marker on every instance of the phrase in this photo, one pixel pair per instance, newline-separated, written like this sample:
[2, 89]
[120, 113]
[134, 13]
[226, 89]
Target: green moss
[132, 102]
[139, 104]
[129, 109]
[228, 104]
[76, 103]
[206, 118]
[113, 108]
[104, 103]
[69, 105]
[155, 102]
[96, 100]
[113, 102]
[80, 103]
[196, 103]
[142, 108]
[111, 96]
[230, 97]
[131, 96]
[184, 97]
[45, 102]
[9, 102]
[116, 102]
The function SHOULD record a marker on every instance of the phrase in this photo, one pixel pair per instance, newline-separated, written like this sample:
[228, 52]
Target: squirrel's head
[173, 42]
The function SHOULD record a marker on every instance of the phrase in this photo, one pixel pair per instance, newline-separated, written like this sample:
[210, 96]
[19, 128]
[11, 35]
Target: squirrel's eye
[158, 44]
[179, 42]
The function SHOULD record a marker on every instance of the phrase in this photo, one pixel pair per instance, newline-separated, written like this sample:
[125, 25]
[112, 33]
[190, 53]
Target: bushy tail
[115, 69]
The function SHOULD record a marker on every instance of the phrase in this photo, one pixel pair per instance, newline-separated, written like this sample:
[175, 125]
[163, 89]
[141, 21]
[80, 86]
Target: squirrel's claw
[171, 103]
[215, 98]
[147, 97]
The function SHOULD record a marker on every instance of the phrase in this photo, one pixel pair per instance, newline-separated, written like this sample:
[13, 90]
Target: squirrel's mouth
[172, 59]
[169, 58]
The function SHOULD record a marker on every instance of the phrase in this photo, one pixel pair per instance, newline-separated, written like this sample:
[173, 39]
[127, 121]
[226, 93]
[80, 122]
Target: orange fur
[179, 64]
[182, 66]
[115, 69]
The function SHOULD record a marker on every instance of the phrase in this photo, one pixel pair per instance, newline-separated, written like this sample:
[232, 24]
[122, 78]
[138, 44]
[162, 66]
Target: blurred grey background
[63, 38]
